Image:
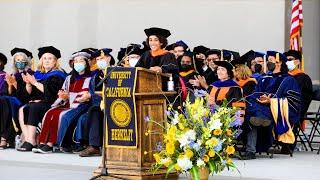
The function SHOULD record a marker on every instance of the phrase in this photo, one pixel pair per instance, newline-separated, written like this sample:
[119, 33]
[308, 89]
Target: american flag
[296, 27]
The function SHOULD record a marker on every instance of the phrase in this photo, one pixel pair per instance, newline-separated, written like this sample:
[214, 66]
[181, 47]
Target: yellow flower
[217, 132]
[189, 153]
[145, 152]
[177, 167]
[146, 133]
[212, 142]
[230, 150]
[181, 126]
[229, 132]
[211, 153]
[229, 161]
[206, 158]
[170, 148]
[170, 136]
[156, 156]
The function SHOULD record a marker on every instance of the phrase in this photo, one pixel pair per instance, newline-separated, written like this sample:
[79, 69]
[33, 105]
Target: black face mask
[271, 66]
[257, 68]
[186, 67]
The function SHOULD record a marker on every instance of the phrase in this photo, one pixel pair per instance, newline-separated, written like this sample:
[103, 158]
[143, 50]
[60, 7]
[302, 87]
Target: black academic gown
[305, 84]
[168, 64]
[52, 83]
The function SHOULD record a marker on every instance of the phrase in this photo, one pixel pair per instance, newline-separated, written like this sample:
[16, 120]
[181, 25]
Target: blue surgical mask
[102, 64]
[20, 65]
[79, 67]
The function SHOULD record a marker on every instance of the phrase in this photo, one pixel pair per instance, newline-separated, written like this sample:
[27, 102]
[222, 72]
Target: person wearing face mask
[43, 88]
[132, 54]
[274, 107]
[210, 74]
[17, 96]
[304, 81]
[199, 59]
[73, 100]
[187, 72]
[88, 133]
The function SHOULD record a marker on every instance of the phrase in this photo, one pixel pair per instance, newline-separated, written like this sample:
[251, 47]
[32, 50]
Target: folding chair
[314, 119]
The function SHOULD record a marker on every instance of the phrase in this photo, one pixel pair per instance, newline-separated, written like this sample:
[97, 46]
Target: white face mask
[102, 64]
[133, 62]
[290, 65]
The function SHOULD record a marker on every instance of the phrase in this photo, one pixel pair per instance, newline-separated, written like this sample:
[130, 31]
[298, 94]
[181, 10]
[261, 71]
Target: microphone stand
[104, 169]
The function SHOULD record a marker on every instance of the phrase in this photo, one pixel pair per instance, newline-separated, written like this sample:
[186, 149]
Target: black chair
[314, 119]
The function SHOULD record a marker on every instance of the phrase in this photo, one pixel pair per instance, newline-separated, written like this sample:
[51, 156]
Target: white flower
[186, 138]
[196, 146]
[165, 160]
[215, 124]
[185, 163]
[175, 119]
[200, 162]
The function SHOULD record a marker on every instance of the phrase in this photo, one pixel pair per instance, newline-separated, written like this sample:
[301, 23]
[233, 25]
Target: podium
[150, 101]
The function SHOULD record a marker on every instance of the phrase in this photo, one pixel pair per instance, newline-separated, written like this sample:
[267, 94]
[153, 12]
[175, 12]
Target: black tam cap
[101, 52]
[134, 49]
[3, 59]
[244, 59]
[26, 52]
[200, 49]
[213, 51]
[49, 49]
[89, 50]
[230, 55]
[157, 31]
[121, 53]
[224, 64]
[188, 53]
[294, 53]
[182, 44]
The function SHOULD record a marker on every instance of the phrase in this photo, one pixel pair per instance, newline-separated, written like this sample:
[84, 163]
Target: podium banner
[120, 110]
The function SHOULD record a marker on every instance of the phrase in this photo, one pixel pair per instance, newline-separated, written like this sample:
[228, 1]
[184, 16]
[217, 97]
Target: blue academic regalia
[82, 132]
[285, 94]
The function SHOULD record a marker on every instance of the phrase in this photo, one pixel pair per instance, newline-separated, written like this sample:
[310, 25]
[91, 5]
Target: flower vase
[203, 172]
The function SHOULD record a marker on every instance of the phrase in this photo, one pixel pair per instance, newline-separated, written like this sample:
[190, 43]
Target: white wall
[71, 25]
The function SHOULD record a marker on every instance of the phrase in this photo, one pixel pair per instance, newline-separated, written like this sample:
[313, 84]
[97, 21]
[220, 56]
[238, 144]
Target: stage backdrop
[75, 24]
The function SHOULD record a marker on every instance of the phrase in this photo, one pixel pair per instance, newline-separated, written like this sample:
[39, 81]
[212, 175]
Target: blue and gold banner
[120, 110]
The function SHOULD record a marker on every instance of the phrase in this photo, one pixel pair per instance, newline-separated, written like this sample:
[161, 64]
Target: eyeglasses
[291, 59]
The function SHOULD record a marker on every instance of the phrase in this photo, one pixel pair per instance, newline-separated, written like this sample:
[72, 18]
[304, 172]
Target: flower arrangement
[198, 136]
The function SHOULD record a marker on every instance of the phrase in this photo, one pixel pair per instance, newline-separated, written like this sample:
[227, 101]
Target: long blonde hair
[41, 68]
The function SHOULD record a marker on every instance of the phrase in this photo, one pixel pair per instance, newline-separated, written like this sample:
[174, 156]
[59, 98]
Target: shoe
[258, 121]
[45, 149]
[248, 156]
[79, 149]
[4, 144]
[90, 151]
[36, 149]
[26, 147]
[67, 150]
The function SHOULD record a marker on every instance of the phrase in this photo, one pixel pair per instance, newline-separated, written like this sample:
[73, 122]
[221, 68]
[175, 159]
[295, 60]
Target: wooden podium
[150, 101]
